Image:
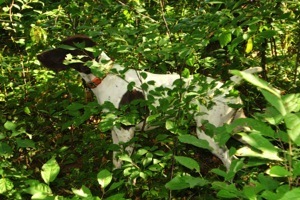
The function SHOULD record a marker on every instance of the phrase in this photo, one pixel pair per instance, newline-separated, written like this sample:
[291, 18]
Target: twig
[163, 16]
[10, 10]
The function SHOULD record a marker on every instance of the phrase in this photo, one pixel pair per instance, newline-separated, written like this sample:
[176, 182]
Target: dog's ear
[73, 40]
[53, 59]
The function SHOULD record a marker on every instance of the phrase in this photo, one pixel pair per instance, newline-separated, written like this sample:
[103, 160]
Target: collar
[97, 81]
[94, 83]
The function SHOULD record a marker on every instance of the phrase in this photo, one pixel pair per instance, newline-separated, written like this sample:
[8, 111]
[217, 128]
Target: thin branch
[163, 16]
[10, 10]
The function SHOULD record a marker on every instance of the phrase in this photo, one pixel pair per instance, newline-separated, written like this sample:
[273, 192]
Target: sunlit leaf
[293, 124]
[249, 46]
[278, 171]
[82, 192]
[104, 178]
[5, 185]
[10, 125]
[224, 38]
[50, 170]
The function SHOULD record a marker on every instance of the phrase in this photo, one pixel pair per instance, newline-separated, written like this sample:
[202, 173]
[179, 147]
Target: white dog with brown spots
[113, 87]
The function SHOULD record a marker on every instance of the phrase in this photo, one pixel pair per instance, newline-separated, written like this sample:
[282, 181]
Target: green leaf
[191, 61]
[268, 34]
[50, 170]
[185, 73]
[296, 169]
[183, 182]
[171, 126]
[5, 149]
[225, 190]
[224, 38]
[293, 194]
[125, 157]
[104, 178]
[256, 81]
[268, 182]
[116, 197]
[10, 126]
[293, 125]
[38, 189]
[188, 162]
[24, 143]
[75, 106]
[115, 185]
[190, 139]
[5, 185]
[254, 125]
[292, 102]
[278, 171]
[265, 148]
[275, 101]
[272, 116]
[143, 75]
[82, 192]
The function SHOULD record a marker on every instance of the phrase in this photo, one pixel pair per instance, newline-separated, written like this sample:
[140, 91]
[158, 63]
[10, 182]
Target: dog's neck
[106, 64]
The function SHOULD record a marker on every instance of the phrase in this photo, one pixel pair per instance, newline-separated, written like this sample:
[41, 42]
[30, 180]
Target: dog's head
[54, 59]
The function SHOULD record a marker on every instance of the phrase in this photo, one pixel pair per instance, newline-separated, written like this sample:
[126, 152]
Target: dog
[114, 87]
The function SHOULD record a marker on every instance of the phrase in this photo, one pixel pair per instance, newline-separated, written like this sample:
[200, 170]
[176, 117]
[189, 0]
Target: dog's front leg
[221, 152]
[121, 135]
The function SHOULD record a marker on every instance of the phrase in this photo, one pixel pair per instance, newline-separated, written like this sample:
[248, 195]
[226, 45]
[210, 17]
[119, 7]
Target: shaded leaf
[190, 139]
[293, 194]
[188, 162]
[183, 182]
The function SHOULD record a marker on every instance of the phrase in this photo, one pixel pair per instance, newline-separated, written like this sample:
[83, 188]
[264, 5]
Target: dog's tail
[236, 79]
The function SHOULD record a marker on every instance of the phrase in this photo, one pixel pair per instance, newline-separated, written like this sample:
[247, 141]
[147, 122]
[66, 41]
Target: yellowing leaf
[249, 46]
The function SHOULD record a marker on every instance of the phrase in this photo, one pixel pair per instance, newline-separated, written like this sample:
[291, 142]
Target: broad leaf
[292, 102]
[265, 149]
[278, 171]
[183, 182]
[5, 185]
[190, 139]
[256, 81]
[293, 124]
[188, 162]
[224, 38]
[104, 178]
[38, 189]
[82, 192]
[5, 149]
[10, 125]
[293, 194]
[50, 170]
[24, 143]
[275, 101]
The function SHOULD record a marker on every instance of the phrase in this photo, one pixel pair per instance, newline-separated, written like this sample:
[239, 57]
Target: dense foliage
[51, 146]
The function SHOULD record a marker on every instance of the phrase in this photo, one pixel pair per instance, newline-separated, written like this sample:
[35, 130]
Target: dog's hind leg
[119, 136]
[221, 152]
